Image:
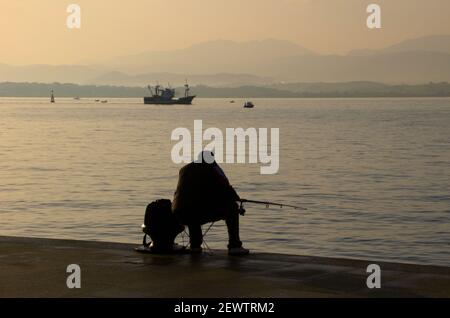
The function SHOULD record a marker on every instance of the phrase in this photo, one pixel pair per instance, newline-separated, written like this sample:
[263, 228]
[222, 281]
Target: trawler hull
[158, 100]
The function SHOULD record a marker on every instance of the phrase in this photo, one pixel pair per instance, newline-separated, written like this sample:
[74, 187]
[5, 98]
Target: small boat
[104, 101]
[231, 101]
[97, 100]
[52, 98]
[249, 105]
[76, 98]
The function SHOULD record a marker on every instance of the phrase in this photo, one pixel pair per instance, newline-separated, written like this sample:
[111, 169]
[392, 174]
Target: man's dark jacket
[203, 194]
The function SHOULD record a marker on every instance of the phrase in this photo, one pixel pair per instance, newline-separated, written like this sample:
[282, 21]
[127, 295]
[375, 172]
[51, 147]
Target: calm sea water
[373, 173]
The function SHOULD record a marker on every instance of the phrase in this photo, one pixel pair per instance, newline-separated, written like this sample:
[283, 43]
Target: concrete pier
[32, 267]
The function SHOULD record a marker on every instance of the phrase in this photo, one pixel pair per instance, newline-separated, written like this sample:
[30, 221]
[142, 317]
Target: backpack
[161, 225]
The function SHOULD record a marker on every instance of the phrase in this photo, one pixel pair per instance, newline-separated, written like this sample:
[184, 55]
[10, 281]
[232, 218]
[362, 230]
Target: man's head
[206, 156]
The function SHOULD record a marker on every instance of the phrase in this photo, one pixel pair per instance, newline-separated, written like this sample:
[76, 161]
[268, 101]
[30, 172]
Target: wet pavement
[32, 267]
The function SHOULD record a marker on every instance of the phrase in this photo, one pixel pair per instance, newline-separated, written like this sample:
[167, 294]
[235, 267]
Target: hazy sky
[34, 31]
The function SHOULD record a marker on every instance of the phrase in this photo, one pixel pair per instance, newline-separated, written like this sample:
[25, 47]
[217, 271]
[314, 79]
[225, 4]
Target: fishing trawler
[166, 96]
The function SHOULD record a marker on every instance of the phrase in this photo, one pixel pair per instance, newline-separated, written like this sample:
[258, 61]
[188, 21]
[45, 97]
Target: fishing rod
[267, 204]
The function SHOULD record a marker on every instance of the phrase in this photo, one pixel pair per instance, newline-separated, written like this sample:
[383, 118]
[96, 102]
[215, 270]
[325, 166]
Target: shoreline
[301, 90]
[91, 98]
[35, 267]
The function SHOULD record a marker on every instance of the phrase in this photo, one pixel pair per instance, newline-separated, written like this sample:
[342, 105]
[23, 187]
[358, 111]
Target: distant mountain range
[212, 57]
[227, 64]
[220, 79]
[432, 43]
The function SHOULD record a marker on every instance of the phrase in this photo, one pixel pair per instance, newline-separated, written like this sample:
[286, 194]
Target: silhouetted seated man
[205, 195]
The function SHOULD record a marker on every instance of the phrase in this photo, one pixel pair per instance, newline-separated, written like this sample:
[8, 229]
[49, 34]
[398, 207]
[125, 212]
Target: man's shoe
[238, 251]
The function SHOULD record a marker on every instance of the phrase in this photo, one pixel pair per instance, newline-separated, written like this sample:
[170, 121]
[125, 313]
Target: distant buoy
[52, 98]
